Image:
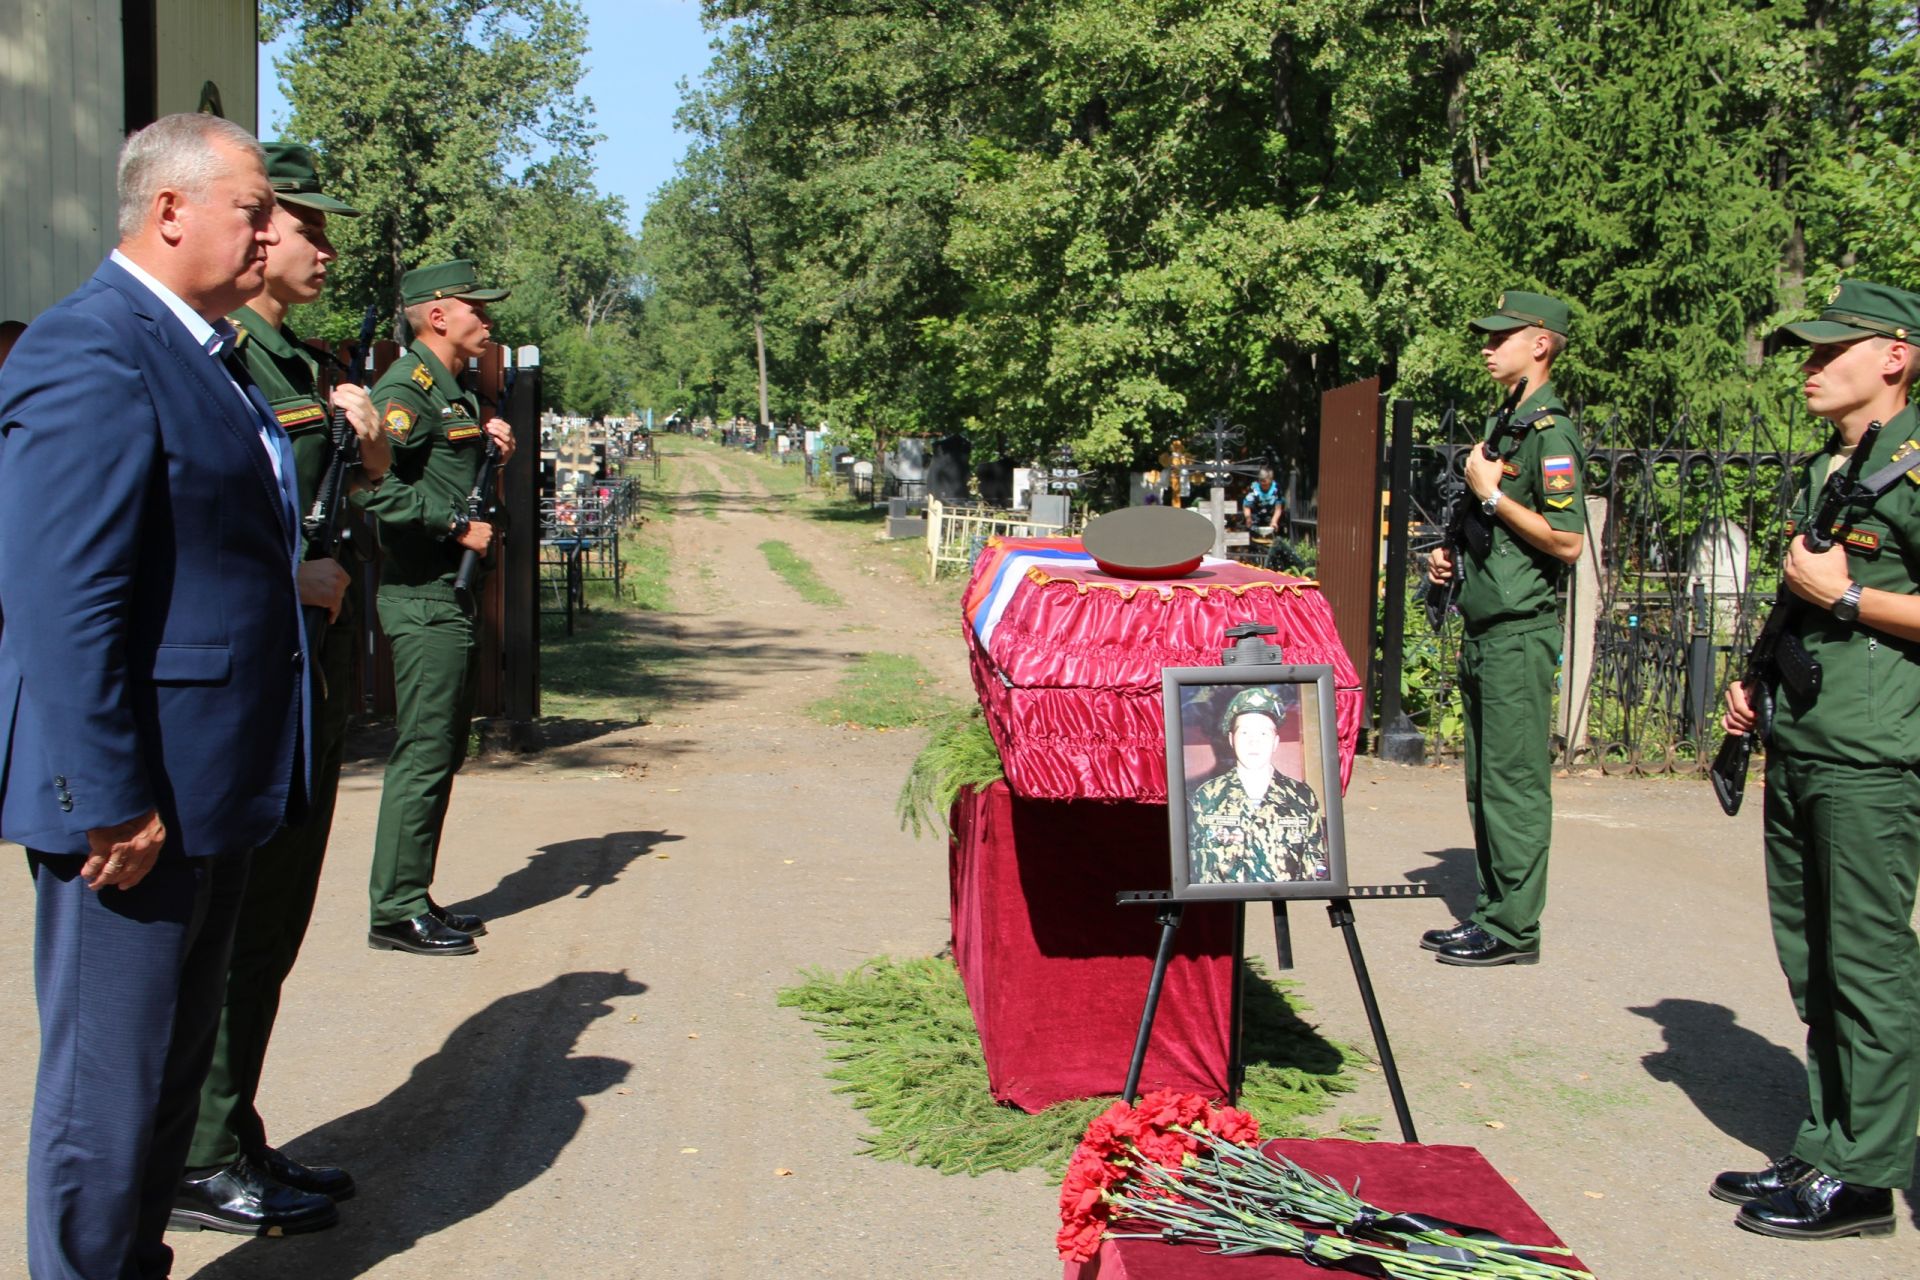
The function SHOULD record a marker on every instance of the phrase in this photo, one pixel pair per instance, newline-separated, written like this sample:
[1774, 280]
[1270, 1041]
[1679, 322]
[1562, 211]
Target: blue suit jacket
[151, 652]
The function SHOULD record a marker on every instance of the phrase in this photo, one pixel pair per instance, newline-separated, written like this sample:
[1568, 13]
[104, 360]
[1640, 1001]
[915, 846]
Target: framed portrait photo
[1253, 783]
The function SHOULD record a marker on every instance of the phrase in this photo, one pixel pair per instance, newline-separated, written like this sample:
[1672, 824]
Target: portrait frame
[1200, 751]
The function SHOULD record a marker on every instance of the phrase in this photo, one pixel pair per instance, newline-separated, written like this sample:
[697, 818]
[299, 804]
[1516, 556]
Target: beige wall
[61, 104]
[62, 109]
[202, 40]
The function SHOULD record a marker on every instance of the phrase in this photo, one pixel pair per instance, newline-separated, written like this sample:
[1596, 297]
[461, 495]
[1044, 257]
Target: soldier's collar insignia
[422, 376]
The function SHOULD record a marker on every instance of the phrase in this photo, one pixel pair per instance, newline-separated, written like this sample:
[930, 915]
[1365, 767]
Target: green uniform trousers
[435, 660]
[281, 885]
[1506, 692]
[1843, 853]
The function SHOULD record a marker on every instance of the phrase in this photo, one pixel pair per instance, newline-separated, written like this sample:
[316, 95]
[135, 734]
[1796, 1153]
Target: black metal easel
[1249, 648]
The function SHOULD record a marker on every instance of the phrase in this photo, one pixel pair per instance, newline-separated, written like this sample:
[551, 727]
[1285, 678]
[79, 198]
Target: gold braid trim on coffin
[1128, 590]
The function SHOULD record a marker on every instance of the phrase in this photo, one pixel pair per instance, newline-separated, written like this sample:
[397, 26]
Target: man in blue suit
[152, 714]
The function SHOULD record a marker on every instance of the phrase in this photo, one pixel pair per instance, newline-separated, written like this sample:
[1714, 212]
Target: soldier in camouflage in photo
[1253, 824]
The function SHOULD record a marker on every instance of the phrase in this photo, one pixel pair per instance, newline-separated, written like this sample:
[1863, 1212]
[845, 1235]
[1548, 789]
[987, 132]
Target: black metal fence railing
[1684, 534]
[580, 544]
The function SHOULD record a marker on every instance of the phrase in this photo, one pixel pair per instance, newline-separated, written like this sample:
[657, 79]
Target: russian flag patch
[1557, 473]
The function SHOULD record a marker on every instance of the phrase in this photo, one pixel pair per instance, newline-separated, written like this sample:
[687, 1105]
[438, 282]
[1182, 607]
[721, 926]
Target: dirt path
[609, 1089]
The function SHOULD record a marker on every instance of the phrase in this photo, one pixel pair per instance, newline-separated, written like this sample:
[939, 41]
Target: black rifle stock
[482, 505]
[326, 526]
[1465, 521]
[1777, 656]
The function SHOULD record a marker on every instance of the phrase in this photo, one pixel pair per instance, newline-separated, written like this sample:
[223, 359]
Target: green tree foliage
[1099, 222]
[418, 108]
[428, 115]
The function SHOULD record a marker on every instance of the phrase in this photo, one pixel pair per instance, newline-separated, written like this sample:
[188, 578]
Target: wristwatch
[1847, 607]
[1489, 505]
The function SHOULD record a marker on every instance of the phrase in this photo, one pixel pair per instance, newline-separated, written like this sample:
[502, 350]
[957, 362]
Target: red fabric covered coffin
[1056, 973]
[1455, 1183]
[1067, 660]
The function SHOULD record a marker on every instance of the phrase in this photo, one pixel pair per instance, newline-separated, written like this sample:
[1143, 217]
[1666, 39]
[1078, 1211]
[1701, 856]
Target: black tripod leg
[1236, 1016]
[1340, 912]
[1169, 925]
[1282, 934]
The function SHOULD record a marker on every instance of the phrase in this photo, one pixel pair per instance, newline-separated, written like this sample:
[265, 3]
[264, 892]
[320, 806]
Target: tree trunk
[760, 353]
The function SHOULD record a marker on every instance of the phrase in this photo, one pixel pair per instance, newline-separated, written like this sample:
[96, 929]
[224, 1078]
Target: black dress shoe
[423, 936]
[319, 1180]
[1737, 1188]
[243, 1199]
[1434, 939]
[1481, 948]
[1820, 1208]
[458, 921]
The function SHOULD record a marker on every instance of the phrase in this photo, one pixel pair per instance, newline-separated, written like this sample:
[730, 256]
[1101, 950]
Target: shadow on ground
[485, 1116]
[565, 869]
[1452, 873]
[1752, 1090]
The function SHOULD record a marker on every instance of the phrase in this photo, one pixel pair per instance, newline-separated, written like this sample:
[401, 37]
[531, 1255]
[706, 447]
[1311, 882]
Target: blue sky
[637, 51]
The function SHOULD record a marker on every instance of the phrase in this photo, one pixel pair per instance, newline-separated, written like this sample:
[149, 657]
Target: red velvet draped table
[1444, 1182]
[1067, 663]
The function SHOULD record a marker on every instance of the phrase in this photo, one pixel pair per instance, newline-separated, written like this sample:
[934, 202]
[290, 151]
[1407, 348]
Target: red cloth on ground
[1056, 972]
[1444, 1182]
[1069, 672]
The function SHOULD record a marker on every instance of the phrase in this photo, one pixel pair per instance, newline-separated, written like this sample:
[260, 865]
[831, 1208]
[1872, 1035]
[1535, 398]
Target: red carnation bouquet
[1176, 1168]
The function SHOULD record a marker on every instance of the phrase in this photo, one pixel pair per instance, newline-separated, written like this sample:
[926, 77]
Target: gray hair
[179, 152]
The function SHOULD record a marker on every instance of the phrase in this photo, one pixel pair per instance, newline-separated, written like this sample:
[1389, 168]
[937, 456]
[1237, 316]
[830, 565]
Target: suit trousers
[1506, 693]
[129, 983]
[1843, 855]
[281, 887]
[435, 662]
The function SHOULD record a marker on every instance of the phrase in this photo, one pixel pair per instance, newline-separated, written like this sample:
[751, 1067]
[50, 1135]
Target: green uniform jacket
[1868, 707]
[438, 446]
[1515, 582]
[287, 371]
[1232, 839]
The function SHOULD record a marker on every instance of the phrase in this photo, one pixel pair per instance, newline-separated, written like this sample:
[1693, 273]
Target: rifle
[326, 525]
[1466, 523]
[482, 504]
[1777, 656]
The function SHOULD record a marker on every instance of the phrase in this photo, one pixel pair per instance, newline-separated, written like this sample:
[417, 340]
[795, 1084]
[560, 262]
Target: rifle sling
[1886, 477]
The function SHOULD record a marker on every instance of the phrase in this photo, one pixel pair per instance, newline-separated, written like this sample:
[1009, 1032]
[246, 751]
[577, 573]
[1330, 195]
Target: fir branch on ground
[959, 753]
[797, 573]
[906, 1050]
[882, 691]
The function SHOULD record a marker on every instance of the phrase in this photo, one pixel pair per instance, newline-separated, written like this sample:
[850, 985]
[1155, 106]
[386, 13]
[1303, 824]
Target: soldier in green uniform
[1843, 795]
[234, 1180]
[1532, 499]
[439, 441]
[1252, 823]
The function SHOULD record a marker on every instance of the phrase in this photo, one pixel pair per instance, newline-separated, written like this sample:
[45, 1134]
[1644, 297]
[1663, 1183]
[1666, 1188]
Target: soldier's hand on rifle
[1739, 717]
[502, 436]
[376, 455]
[1439, 566]
[1819, 577]
[478, 537]
[1483, 473]
[323, 584]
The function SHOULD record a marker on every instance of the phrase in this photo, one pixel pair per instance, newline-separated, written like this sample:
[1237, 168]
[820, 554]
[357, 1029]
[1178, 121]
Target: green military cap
[1858, 309]
[1517, 309]
[295, 180]
[1255, 701]
[456, 279]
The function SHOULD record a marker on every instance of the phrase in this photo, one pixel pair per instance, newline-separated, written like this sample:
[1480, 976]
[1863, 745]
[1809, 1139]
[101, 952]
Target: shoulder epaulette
[422, 377]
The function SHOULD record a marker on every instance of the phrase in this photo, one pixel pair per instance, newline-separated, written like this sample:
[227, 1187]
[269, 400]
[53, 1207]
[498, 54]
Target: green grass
[882, 691]
[906, 1051]
[799, 575]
